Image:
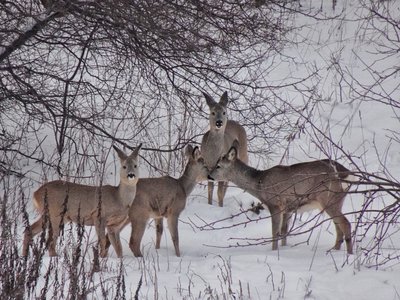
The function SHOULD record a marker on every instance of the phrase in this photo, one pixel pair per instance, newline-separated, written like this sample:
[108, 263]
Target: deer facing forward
[219, 139]
[59, 202]
[286, 189]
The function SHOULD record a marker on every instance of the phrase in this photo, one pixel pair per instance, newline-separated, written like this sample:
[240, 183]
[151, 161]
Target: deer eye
[124, 167]
[224, 113]
[135, 166]
[213, 113]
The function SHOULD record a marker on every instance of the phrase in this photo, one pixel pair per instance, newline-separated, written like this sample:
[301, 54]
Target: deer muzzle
[218, 124]
[131, 176]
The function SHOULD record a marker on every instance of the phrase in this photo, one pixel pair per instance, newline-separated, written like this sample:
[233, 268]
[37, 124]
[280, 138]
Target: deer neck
[126, 193]
[188, 180]
[217, 134]
[246, 178]
[213, 146]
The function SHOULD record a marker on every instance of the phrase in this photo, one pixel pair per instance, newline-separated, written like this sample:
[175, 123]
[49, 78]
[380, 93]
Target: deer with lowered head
[321, 184]
[59, 202]
[163, 197]
[219, 139]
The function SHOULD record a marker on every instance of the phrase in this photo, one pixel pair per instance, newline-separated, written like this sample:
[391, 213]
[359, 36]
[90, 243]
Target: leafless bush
[119, 71]
[376, 223]
[76, 76]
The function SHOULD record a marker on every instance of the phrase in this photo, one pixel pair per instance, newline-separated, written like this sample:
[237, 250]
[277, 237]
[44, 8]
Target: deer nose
[210, 178]
[218, 123]
[131, 176]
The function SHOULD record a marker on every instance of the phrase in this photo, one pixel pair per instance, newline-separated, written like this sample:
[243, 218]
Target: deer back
[159, 196]
[289, 187]
[311, 183]
[78, 202]
[235, 132]
[156, 196]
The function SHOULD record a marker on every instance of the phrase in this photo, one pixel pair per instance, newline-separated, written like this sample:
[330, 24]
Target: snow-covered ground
[216, 264]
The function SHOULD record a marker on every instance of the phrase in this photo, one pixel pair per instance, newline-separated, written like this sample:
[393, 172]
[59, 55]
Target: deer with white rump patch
[59, 202]
[320, 184]
[219, 139]
[164, 197]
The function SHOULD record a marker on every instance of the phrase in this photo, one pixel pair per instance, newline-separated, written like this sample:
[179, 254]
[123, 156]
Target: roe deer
[285, 189]
[219, 139]
[59, 202]
[164, 197]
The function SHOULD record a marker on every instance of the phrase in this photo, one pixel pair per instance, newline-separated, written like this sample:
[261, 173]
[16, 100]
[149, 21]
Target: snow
[213, 266]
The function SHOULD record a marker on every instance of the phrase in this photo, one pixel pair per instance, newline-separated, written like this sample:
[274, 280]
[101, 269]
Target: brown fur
[287, 189]
[59, 202]
[164, 197]
[219, 139]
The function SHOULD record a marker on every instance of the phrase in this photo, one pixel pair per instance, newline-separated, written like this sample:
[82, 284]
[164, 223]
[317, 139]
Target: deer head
[129, 172]
[217, 117]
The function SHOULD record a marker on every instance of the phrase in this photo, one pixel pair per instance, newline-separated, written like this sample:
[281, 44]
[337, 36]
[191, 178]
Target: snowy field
[226, 254]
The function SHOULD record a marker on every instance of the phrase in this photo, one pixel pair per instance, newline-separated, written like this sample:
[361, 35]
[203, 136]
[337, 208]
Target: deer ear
[188, 150]
[135, 152]
[232, 154]
[235, 144]
[121, 154]
[224, 99]
[210, 101]
[196, 153]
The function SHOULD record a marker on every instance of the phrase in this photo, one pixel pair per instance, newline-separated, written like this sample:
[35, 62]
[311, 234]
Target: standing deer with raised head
[164, 197]
[59, 202]
[219, 139]
[283, 190]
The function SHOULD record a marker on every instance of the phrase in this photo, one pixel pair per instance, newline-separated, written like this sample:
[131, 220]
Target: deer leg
[276, 219]
[159, 231]
[101, 236]
[30, 233]
[54, 231]
[339, 235]
[108, 239]
[113, 237]
[138, 227]
[343, 229]
[285, 227]
[210, 191]
[349, 242]
[173, 229]
[346, 230]
[113, 234]
[222, 187]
